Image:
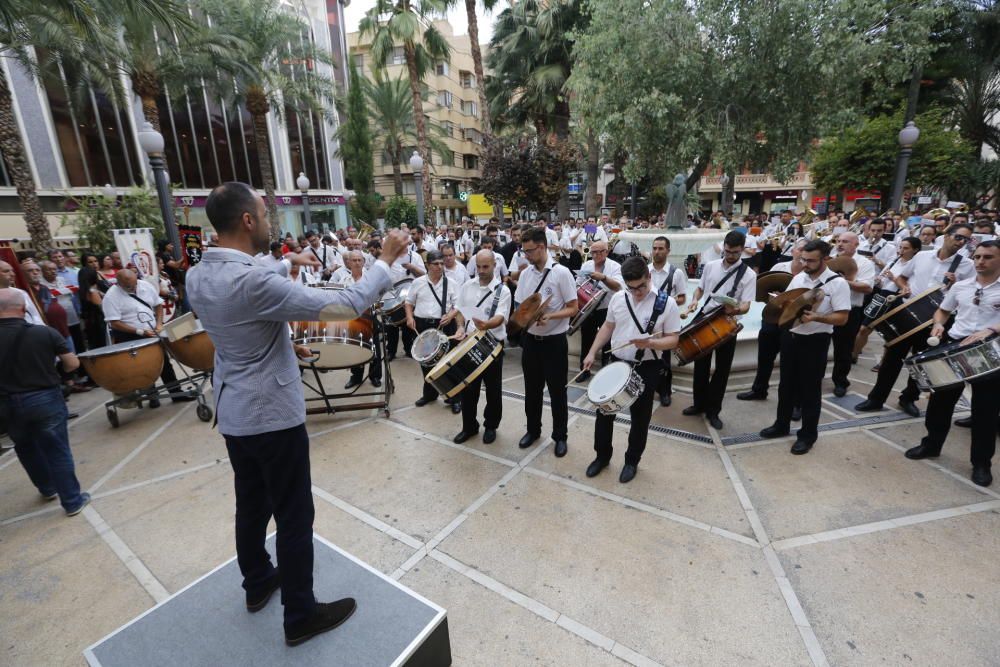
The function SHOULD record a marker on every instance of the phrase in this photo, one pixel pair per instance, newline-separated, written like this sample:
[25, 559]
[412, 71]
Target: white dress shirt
[344, 278]
[473, 294]
[678, 285]
[31, 314]
[426, 297]
[329, 257]
[714, 271]
[883, 250]
[119, 306]
[551, 239]
[669, 322]
[587, 239]
[560, 286]
[783, 266]
[894, 267]
[971, 318]
[611, 269]
[927, 270]
[399, 272]
[457, 274]
[499, 271]
[836, 298]
[866, 274]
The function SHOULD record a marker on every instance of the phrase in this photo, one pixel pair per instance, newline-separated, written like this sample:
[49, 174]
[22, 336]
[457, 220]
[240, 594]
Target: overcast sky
[456, 16]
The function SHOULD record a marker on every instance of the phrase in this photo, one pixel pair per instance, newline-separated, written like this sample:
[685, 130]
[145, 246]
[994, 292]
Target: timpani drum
[429, 346]
[464, 363]
[615, 388]
[909, 317]
[189, 343]
[704, 335]
[337, 343]
[125, 367]
[952, 364]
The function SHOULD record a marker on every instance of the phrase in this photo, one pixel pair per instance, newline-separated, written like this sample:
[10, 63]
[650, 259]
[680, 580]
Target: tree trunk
[418, 119]
[397, 175]
[266, 171]
[477, 64]
[147, 87]
[619, 165]
[593, 172]
[20, 173]
[699, 168]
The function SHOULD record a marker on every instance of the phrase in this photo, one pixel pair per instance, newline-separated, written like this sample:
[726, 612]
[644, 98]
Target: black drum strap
[668, 284]
[955, 261]
[658, 307]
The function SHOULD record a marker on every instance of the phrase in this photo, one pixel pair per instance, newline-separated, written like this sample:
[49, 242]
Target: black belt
[818, 333]
[540, 337]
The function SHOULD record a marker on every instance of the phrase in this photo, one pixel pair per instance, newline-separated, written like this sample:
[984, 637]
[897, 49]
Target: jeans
[36, 422]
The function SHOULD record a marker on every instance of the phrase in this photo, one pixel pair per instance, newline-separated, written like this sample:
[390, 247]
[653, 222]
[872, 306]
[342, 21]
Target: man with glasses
[608, 274]
[641, 320]
[975, 303]
[731, 278]
[861, 283]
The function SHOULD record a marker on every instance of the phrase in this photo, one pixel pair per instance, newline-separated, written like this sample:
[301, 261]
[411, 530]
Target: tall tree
[355, 138]
[973, 90]
[408, 23]
[477, 57]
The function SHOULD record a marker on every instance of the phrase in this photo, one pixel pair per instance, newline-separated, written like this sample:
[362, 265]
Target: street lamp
[907, 137]
[303, 184]
[417, 165]
[151, 143]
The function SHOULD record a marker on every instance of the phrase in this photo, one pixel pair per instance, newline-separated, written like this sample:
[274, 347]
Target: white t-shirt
[119, 306]
[560, 286]
[668, 322]
[970, 317]
[837, 297]
[473, 294]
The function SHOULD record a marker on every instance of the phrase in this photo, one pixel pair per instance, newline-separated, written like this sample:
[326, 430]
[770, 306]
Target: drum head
[608, 382]
[427, 344]
[118, 347]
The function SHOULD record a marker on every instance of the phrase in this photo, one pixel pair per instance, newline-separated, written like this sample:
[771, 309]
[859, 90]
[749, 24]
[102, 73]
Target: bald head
[486, 263]
[126, 279]
[847, 243]
[6, 275]
[11, 303]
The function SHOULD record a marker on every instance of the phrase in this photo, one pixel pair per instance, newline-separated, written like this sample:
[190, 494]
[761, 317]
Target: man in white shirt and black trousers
[487, 293]
[428, 303]
[410, 265]
[977, 302]
[607, 272]
[728, 276]
[672, 280]
[642, 326]
[544, 350]
[804, 349]
[328, 256]
[861, 283]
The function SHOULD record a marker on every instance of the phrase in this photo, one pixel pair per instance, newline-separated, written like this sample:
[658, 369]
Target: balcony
[761, 182]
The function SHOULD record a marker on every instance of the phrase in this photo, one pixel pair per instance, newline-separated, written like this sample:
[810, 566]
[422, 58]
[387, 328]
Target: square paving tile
[852, 398]
[847, 479]
[954, 454]
[920, 595]
[359, 539]
[676, 594]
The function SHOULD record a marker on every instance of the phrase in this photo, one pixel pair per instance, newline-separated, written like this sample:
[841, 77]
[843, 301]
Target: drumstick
[628, 344]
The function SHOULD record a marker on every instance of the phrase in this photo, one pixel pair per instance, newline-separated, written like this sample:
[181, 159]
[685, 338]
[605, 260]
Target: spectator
[31, 315]
[93, 287]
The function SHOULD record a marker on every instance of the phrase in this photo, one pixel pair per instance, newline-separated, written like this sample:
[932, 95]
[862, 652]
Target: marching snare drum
[125, 367]
[952, 364]
[615, 387]
[910, 317]
[704, 335]
[391, 306]
[589, 296]
[429, 346]
[464, 363]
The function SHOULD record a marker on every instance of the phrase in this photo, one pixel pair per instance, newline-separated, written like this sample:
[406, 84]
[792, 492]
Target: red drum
[589, 296]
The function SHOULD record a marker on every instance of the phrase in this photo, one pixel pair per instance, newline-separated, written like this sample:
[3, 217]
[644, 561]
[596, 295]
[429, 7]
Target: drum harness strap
[668, 284]
[658, 307]
[955, 261]
[443, 301]
[739, 271]
[496, 301]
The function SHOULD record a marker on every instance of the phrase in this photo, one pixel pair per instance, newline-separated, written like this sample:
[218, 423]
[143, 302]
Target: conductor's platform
[207, 624]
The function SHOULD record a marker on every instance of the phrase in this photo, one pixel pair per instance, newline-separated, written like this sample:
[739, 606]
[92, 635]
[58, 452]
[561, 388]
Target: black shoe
[774, 431]
[154, 403]
[456, 408]
[489, 436]
[325, 616]
[628, 473]
[691, 410]
[752, 395]
[796, 414]
[665, 400]
[257, 602]
[981, 476]
[595, 468]
[964, 422]
[352, 383]
[801, 447]
[421, 402]
[868, 405]
[839, 391]
[463, 436]
[922, 452]
[376, 382]
[561, 448]
[527, 440]
[584, 376]
[909, 407]
[715, 422]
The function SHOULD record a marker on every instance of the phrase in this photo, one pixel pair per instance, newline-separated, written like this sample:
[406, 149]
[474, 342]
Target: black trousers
[803, 365]
[709, 387]
[375, 367]
[545, 363]
[491, 377]
[665, 385]
[272, 478]
[641, 411]
[95, 329]
[768, 346]
[985, 411]
[892, 364]
[392, 336]
[843, 346]
[588, 332]
[167, 375]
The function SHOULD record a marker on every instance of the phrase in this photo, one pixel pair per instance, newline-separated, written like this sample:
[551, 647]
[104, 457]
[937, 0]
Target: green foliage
[526, 172]
[96, 216]
[392, 22]
[355, 138]
[864, 156]
[400, 210]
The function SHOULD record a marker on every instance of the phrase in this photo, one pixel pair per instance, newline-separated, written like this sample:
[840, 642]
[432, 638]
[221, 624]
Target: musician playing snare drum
[976, 304]
[641, 331]
[607, 272]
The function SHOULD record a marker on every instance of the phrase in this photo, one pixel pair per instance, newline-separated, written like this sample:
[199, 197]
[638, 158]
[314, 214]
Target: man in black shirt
[32, 405]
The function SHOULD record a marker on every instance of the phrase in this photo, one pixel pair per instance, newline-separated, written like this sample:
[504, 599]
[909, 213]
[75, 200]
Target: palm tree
[477, 57]
[407, 22]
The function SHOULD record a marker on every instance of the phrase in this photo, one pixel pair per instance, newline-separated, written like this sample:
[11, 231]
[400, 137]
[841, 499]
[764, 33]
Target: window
[467, 79]
[473, 135]
[441, 68]
[398, 56]
[470, 108]
[445, 99]
[470, 161]
[448, 128]
[409, 186]
[358, 60]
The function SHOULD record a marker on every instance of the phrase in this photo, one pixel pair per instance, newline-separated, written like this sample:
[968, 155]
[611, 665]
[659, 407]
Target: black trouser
[588, 332]
[545, 363]
[664, 387]
[491, 377]
[640, 411]
[985, 411]
[76, 333]
[392, 339]
[375, 367]
[843, 346]
[892, 364]
[167, 375]
[768, 346]
[709, 387]
[271, 476]
[803, 365]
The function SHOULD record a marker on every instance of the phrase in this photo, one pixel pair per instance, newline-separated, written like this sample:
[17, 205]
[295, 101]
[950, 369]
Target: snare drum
[704, 335]
[952, 364]
[589, 296]
[125, 367]
[615, 387]
[429, 346]
[391, 306]
[910, 317]
[464, 363]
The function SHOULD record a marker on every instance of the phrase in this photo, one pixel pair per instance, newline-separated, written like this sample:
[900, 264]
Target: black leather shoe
[981, 476]
[909, 407]
[691, 410]
[868, 405]
[715, 422]
[325, 616]
[456, 408]
[463, 436]
[352, 383]
[801, 447]
[796, 414]
[964, 422]
[561, 448]
[628, 473]
[421, 402]
[752, 395]
[665, 400]
[595, 468]
[489, 436]
[839, 391]
[257, 602]
[922, 452]
[527, 440]
[774, 431]
[376, 382]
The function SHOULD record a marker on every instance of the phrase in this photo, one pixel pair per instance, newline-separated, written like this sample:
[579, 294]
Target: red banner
[190, 244]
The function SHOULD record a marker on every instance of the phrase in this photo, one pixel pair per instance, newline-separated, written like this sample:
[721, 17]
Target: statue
[677, 206]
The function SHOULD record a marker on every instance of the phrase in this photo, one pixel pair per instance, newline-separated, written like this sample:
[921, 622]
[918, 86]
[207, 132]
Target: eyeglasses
[637, 288]
[961, 238]
[977, 297]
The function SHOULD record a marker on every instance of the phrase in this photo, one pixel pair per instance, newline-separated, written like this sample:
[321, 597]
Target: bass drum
[704, 335]
[125, 367]
[615, 387]
[337, 344]
[464, 363]
[955, 363]
[910, 317]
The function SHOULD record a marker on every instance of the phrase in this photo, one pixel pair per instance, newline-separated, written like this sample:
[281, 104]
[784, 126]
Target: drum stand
[192, 385]
[328, 408]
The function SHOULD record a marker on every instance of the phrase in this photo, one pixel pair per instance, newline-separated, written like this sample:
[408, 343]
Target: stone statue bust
[677, 202]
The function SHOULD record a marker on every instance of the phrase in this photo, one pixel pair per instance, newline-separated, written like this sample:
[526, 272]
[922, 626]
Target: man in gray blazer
[245, 307]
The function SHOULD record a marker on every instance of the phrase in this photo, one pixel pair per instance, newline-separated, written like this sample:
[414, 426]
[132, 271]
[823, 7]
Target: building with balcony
[452, 104]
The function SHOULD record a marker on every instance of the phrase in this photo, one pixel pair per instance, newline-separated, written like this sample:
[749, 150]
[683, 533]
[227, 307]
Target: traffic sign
[574, 188]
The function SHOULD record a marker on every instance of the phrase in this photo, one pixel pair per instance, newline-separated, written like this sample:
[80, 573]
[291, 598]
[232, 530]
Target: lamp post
[417, 165]
[151, 143]
[907, 137]
[303, 184]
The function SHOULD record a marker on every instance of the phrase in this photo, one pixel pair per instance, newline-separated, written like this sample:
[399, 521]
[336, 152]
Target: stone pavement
[716, 554]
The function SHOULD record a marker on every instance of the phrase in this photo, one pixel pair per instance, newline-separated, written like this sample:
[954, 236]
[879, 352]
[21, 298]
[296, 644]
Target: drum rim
[107, 349]
[338, 339]
[631, 370]
[494, 353]
[442, 345]
[912, 299]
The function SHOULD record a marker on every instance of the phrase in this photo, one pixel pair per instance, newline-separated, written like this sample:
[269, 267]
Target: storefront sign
[198, 201]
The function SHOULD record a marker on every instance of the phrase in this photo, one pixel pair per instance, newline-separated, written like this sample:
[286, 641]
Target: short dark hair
[822, 246]
[662, 238]
[492, 228]
[533, 234]
[227, 203]
[915, 242]
[634, 268]
[276, 245]
[446, 244]
[958, 225]
[734, 239]
[310, 234]
[876, 221]
[417, 228]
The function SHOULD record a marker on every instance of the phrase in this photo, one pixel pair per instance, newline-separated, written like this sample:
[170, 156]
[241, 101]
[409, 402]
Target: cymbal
[843, 265]
[774, 307]
[793, 309]
[771, 281]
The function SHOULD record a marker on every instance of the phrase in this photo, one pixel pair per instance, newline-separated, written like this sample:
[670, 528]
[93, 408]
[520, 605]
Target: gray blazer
[245, 307]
